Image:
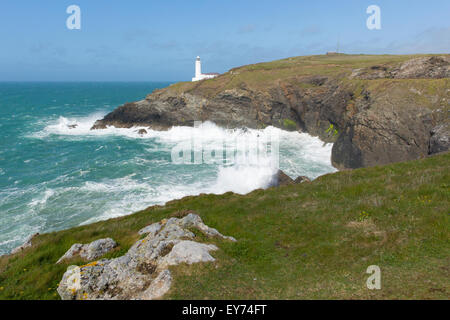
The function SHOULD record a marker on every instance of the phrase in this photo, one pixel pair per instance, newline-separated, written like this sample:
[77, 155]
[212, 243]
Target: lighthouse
[198, 67]
[198, 72]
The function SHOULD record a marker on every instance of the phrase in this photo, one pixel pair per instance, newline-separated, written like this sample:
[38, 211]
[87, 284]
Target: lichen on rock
[142, 273]
[91, 251]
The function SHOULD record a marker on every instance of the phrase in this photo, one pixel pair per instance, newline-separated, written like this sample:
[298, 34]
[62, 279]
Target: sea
[57, 173]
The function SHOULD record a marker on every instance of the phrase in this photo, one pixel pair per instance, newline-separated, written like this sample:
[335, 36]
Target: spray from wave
[300, 153]
[100, 174]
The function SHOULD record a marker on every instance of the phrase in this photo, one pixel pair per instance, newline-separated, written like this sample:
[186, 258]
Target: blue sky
[147, 40]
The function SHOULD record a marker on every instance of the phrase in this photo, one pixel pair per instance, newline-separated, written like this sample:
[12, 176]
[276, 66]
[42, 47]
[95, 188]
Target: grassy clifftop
[385, 108]
[313, 240]
[293, 71]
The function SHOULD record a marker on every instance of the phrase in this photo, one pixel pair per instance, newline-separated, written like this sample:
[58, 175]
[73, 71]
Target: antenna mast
[338, 44]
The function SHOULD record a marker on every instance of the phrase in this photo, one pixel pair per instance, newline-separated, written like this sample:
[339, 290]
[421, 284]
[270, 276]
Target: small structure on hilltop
[198, 72]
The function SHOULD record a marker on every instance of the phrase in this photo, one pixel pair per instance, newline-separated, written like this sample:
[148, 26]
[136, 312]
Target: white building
[198, 72]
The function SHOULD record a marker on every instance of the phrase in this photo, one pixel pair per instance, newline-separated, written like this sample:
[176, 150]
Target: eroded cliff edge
[376, 109]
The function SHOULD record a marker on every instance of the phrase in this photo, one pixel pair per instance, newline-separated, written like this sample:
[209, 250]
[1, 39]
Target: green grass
[307, 241]
[296, 72]
[289, 125]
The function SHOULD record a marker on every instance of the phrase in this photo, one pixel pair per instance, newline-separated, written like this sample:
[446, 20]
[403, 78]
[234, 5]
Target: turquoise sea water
[54, 177]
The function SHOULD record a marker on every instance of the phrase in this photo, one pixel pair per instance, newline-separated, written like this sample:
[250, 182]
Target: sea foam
[97, 190]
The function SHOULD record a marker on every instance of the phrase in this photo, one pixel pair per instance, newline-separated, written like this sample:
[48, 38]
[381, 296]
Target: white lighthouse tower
[198, 67]
[198, 72]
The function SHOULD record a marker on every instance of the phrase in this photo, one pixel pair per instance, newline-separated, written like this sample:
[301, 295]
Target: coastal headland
[388, 119]
[377, 109]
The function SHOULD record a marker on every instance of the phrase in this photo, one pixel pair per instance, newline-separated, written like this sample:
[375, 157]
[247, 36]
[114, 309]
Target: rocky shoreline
[375, 115]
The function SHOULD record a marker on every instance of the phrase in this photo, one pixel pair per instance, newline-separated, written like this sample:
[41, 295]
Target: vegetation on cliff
[294, 70]
[384, 108]
[300, 241]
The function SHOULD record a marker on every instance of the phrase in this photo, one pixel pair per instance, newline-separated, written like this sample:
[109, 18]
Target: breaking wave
[116, 171]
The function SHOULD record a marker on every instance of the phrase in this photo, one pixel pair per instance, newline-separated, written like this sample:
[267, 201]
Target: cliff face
[377, 109]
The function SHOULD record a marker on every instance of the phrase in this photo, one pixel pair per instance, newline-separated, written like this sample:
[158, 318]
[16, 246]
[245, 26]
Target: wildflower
[363, 216]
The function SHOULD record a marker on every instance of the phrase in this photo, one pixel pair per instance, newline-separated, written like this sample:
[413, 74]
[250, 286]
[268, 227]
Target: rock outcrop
[151, 229]
[435, 67]
[25, 245]
[90, 251]
[383, 134]
[142, 132]
[440, 138]
[375, 115]
[301, 179]
[142, 273]
[282, 179]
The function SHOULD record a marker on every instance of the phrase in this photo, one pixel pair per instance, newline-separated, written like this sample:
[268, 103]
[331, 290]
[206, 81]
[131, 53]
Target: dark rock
[26, 244]
[382, 135]
[282, 179]
[440, 139]
[165, 109]
[301, 179]
[371, 126]
[142, 132]
[72, 126]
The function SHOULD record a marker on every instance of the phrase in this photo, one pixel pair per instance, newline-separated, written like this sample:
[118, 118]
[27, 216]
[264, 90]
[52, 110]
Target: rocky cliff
[376, 109]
